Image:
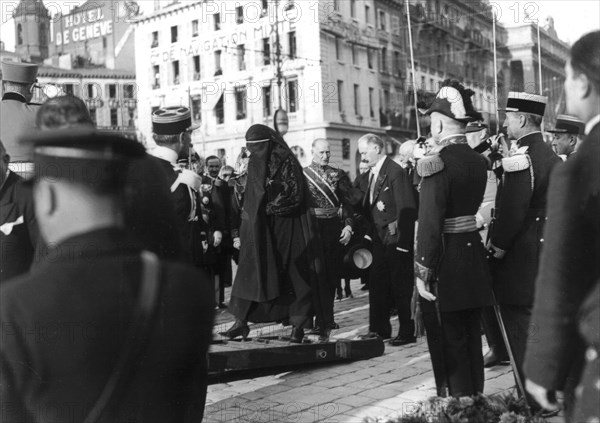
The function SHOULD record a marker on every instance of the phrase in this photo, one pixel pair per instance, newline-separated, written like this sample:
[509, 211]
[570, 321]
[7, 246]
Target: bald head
[443, 126]
[321, 152]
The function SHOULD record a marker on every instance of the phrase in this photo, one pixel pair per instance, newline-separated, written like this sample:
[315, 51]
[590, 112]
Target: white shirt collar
[165, 154]
[375, 169]
[591, 123]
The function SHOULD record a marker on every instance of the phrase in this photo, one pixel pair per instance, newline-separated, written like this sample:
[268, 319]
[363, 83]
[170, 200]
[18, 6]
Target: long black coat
[519, 220]
[18, 228]
[65, 324]
[452, 185]
[567, 297]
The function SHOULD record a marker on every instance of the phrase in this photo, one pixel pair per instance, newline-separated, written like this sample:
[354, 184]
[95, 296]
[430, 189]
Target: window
[175, 65]
[197, 75]
[240, 103]
[195, 28]
[292, 44]
[220, 111]
[43, 34]
[266, 96]
[128, 91]
[340, 98]
[345, 149]
[239, 15]
[432, 84]
[265, 7]
[94, 115]
[196, 108]
[367, 14]
[19, 34]
[423, 87]
[354, 55]
[384, 63]
[174, 34]
[386, 99]
[369, 58]
[156, 5]
[156, 76]
[112, 91]
[154, 39]
[353, 8]
[338, 52]
[217, 21]
[69, 89]
[356, 100]
[241, 53]
[90, 91]
[381, 24]
[266, 51]
[292, 96]
[218, 70]
[336, 5]
[371, 110]
[397, 63]
[104, 43]
[114, 117]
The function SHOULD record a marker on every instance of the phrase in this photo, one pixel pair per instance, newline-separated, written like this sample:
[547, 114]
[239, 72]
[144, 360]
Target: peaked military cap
[475, 127]
[172, 120]
[24, 73]
[566, 124]
[526, 103]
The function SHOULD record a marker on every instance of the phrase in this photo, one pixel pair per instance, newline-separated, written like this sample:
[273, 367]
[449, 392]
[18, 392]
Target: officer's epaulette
[430, 165]
[516, 163]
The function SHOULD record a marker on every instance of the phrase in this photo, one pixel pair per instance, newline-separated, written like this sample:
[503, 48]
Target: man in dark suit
[567, 303]
[390, 206]
[520, 215]
[567, 135]
[18, 228]
[98, 323]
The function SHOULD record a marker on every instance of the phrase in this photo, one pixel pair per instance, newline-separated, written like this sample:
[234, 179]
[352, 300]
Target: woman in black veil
[272, 280]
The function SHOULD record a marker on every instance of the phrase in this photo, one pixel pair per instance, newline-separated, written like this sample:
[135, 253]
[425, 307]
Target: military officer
[566, 313]
[99, 330]
[17, 113]
[568, 134]
[519, 217]
[478, 137]
[329, 188]
[18, 228]
[452, 274]
[172, 128]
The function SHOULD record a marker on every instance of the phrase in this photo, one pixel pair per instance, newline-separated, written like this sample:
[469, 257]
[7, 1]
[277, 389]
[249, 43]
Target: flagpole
[495, 72]
[539, 58]
[412, 63]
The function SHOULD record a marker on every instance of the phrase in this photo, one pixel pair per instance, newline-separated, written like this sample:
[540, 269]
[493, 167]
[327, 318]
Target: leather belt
[460, 224]
[324, 213]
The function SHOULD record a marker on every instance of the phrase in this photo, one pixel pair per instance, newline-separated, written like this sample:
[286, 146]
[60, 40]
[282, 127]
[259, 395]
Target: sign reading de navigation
[85, 25]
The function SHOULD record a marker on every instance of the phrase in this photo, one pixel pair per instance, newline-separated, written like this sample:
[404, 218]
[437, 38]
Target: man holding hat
[568, 133]
[172, 127]
[17, 113]
[452, 274]
[519, 217]
[99, 329]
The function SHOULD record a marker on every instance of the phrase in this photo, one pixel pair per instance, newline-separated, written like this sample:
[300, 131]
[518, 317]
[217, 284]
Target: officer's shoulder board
[430, 165]
[516, 163]
[189, 178]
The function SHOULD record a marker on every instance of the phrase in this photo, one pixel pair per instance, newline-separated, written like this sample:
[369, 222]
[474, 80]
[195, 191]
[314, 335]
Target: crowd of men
[130, 252]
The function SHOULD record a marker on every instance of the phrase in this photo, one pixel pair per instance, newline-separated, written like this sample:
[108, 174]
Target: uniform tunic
[65, 324]
[454, 264]
[17, 118]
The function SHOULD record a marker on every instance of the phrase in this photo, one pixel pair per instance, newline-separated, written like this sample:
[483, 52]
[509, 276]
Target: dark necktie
[368, 194]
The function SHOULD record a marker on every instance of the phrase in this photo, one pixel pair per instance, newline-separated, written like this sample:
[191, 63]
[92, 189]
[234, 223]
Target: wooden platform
[277, 353]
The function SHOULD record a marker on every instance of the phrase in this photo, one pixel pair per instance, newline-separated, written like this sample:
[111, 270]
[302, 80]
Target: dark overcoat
[65, 323]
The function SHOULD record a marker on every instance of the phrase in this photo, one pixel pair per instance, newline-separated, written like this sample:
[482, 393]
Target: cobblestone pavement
[385, 386]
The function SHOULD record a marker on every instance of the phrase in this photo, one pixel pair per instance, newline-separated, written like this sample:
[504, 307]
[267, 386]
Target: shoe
[239, 328]
[338, 294]
[348, 293]
[493, 358]
[369, 335]
[315, 331]
[334, 325]
[402, 340]
[364, 288]
[222, 305]
[297, 335]
[324, 335]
